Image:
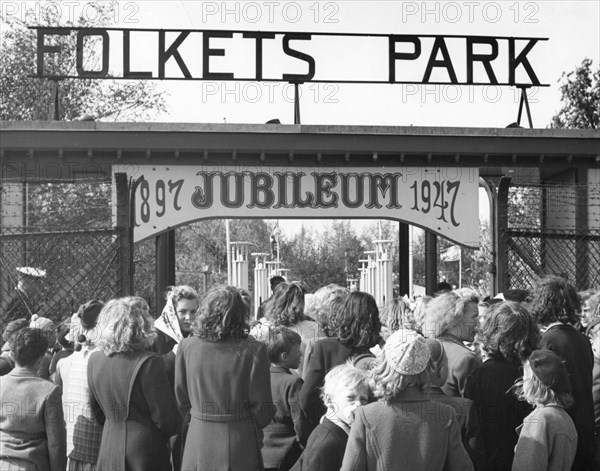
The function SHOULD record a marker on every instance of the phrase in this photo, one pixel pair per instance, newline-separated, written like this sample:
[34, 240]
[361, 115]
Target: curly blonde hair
[344, 376]
[176, 293]
[396, 314]
[125, 325]
[537, 393]
[445, 312]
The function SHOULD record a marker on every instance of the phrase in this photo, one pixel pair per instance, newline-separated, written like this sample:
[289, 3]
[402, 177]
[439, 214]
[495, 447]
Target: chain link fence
[553, 228]
[65, 230]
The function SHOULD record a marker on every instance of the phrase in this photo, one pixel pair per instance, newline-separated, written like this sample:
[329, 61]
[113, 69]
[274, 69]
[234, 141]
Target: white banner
[443, 200]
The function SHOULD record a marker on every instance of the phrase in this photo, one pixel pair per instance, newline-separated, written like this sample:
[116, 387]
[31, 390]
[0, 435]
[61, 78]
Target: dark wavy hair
[508, 332]
[223, 314]
[281, 340]
[28, 346]
[286, 306]
[13, 328]
[555, 300]
[356, 321]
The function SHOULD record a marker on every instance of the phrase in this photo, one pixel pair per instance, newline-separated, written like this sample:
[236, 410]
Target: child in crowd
[404, 429]
[464, 408]
[84, 433]
[345, 389]
[282, 437]
[48, 328]
[547, 437]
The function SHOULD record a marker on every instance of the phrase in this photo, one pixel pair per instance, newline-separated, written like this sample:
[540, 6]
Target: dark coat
[324, 450]
[462, 362]
[163, 345]
[6, 364]
[288, 427]
[327, 353]
[469, 425]
[499, 412]
[225, 388]
[138, 410]
[575, 349]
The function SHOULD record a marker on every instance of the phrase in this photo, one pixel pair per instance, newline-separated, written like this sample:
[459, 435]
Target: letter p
[409, 9]
[209, 9]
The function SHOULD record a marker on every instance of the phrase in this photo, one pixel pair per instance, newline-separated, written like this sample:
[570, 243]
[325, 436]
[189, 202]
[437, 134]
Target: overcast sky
[572, 29]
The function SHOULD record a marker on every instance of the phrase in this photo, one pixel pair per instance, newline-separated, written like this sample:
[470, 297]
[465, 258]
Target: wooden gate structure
[74, 151]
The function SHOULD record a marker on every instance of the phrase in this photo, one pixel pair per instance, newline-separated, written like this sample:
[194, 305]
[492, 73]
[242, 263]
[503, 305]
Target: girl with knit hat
[547, 437]
[404, 429]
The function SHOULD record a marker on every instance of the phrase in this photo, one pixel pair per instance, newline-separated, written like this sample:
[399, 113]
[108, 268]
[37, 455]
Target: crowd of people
[322, 381]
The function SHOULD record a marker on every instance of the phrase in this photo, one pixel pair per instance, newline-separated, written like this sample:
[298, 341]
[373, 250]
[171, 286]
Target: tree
[23, 97]
[65, 206]
[329, 259]
[580, 90]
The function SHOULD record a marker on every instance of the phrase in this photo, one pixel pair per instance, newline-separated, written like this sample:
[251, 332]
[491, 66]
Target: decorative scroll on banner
[443, 200]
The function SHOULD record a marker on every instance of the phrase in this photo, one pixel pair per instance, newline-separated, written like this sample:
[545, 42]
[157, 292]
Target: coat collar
[279, 369]
[411, 394]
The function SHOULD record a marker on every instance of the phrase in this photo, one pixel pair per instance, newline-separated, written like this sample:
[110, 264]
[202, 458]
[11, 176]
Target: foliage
[62, 206]
[196, 245]
[330, 258]
[580, 90]
[23, 97]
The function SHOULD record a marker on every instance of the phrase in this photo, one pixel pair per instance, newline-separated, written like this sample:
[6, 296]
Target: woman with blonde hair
[395, 315]
[452, 319]
[130, 391]
[222, 382]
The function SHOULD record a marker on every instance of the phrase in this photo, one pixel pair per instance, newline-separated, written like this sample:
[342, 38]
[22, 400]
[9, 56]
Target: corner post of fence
[125, 272]
[582, 259]
[501, 223]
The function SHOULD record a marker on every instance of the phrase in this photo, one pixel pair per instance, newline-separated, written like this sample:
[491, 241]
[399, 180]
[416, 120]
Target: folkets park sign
[118, 53]
[444, 200]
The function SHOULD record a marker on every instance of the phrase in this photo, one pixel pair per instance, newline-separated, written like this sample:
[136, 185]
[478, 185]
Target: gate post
[165, 267]
[581, 227]
[430, 263]
[404, 254]
[503, 276]
[125, 272]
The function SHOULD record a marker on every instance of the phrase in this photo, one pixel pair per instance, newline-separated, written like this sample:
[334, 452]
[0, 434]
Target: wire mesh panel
[553, 228]
[65, 231]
